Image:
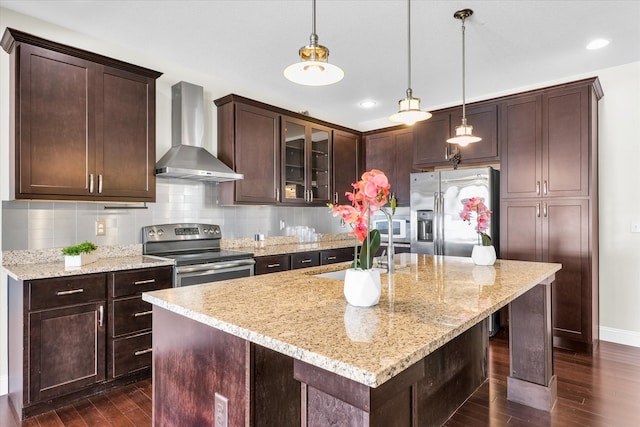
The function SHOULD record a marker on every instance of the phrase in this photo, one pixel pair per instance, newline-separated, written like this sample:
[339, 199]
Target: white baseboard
[620, 336]
[4, 385]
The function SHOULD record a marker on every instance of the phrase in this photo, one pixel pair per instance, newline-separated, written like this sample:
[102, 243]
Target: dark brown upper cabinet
[430, 137]
[83, 124]
[391, 152]
[547, 144]
[249, 143]
[287, 158]
[346, 170]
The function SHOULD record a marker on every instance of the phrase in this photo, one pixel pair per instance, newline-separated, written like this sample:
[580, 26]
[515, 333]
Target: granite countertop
[290, 248]
[44, 270]
[428, 301]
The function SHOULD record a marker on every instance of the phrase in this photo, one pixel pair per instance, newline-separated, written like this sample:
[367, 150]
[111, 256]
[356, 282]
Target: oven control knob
[152, 233]
[215, 230]
[160, 232]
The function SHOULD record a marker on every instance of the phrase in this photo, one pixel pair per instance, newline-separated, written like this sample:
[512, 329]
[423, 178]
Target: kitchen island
[286, 349]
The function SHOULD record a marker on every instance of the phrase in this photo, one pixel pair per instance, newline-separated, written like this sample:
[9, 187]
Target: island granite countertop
[427, 302]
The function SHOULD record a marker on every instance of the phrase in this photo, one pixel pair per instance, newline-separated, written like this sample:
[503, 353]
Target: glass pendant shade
[464, 135]
[409, 111]
[313, 68]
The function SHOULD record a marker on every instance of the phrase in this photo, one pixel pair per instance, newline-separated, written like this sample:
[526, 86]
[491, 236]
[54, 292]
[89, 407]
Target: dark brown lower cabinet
[71, 337]
[66, 350]
[558, 230]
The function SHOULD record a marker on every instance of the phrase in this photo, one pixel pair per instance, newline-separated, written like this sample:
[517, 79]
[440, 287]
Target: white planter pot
[73, 261]
[362, 287]
[483, 255]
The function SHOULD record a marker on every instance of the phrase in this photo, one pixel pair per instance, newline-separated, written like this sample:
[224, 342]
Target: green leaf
[367, 253]
[486, 240]
[84, 247]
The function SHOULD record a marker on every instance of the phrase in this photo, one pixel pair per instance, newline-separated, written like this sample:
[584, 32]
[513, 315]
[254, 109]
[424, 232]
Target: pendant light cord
[464, 115]
[409, 91]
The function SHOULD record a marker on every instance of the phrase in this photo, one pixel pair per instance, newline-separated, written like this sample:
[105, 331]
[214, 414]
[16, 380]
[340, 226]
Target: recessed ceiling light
[368, 103]
[597, 44]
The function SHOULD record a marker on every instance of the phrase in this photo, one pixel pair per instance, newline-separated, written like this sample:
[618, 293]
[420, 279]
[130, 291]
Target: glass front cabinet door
[306, 154]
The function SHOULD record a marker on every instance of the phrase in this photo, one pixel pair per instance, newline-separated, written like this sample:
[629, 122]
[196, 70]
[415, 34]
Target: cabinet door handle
[273, 265]
[142, 313]
[100, 183]
[90, 183]
[335, 198]
[70, 292]
[538, 188]
[144, 282]
[311, 196]
[277, 194]
[446, 152]
[538, 210]
[141, 352]
[100, 315]
[544, 209]
[544, 188]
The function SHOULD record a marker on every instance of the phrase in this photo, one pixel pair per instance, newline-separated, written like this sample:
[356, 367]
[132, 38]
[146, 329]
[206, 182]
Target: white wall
[619, 170]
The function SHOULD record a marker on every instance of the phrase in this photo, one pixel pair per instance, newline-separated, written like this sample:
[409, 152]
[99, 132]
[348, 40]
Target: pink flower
[482, 213]
[369, 194]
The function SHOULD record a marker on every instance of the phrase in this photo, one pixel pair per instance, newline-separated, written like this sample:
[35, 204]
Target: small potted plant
[79, 255]
[483, 253]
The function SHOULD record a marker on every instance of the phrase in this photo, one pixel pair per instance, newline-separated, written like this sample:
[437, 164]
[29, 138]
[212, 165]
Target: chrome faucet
[391, 265]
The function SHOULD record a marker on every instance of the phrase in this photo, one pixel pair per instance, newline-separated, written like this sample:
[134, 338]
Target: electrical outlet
[635, 226]
[221, 411]
[101, 227]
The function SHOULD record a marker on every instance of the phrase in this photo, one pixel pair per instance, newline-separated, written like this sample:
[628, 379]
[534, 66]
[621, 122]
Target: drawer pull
[273, 265]
[142, 313]
[71, 292]
[141, 352]
[331, 258]
[305, 261]
[144, 282]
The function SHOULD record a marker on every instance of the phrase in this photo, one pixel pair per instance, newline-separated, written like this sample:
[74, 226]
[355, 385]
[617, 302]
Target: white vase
[362, 287]
[483, 255]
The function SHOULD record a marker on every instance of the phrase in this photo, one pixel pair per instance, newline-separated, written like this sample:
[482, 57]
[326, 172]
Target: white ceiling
[247, 44]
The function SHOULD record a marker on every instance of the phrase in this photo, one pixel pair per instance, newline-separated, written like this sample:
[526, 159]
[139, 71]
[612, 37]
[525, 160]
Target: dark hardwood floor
[602, 389]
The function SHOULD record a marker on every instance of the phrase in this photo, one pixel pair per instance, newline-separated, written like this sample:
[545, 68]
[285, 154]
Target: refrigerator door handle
[441, 215]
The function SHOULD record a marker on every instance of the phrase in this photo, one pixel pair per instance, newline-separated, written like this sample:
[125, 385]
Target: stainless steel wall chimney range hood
[187, 158]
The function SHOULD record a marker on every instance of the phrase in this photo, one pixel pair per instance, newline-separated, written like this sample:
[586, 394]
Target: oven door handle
[212, 267]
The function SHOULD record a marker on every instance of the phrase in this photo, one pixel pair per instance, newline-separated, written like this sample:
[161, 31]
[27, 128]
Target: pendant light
[464, 132]
[409, 108]
[313, 68]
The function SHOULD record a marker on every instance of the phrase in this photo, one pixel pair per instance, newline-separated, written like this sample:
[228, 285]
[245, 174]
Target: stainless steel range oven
[197, 254]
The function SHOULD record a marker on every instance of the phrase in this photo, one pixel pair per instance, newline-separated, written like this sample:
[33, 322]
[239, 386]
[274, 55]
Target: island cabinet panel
[391, 152]
[346, 168]
[549, 198]
[193, 362]
[84, 126]
[424, 394]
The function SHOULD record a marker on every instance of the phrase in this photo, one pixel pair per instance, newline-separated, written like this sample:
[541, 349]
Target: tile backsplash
[52, 224]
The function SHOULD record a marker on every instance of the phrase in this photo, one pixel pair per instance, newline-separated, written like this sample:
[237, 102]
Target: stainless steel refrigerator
[436, 201]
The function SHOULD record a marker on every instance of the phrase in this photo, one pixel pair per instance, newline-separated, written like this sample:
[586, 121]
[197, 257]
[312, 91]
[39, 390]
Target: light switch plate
[635, 226]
